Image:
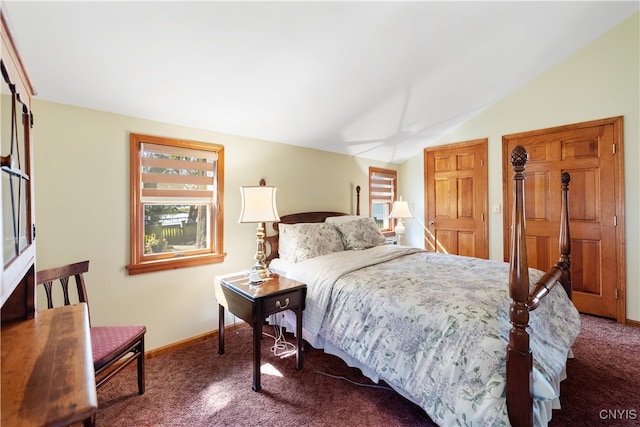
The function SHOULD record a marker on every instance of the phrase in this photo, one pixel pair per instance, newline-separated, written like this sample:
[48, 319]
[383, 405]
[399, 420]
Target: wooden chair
[113, 347]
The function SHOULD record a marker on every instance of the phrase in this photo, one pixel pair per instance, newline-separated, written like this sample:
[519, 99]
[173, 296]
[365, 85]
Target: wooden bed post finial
[519, 157]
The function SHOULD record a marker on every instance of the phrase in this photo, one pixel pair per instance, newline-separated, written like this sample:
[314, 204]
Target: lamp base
[259, 271]
[400, 229]
[258, 274]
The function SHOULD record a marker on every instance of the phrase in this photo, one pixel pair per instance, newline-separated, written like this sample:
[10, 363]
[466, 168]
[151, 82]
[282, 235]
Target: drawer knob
[286, 304]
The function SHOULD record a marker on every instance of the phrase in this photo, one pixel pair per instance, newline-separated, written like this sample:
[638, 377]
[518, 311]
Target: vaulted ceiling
[380, 80]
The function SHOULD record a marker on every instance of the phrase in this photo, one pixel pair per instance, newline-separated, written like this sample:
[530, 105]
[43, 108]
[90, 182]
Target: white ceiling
[380, 80]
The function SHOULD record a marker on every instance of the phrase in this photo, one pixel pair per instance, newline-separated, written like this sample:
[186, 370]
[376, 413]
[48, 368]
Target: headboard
[271, 242]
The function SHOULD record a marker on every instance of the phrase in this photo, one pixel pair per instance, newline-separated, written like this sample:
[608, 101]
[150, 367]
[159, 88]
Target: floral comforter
[436, 337]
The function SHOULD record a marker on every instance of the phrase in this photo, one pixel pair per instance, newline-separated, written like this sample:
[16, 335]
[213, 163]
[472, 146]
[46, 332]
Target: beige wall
[82, 212]
[601, 80]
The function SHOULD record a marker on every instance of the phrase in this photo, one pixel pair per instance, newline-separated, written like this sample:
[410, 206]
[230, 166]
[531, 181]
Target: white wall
[82, 212]
[601, 80]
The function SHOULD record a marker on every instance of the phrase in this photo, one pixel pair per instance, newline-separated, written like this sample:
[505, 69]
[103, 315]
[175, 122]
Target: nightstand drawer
[285, 301]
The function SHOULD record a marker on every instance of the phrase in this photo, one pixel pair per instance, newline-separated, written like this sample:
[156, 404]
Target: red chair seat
[109, 341]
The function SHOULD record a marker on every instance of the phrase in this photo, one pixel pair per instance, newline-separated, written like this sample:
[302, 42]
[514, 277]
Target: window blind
[381, 187]
[167, 173]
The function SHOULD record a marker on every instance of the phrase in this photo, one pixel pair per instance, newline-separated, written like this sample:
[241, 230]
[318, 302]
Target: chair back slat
[49, 293]
[64, 282]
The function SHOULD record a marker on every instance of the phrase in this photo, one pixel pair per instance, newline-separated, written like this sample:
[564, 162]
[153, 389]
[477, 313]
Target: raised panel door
[456, 199]
[591, 154]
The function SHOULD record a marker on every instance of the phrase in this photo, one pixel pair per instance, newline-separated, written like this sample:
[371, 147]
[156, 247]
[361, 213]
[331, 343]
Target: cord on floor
[281, 347]
[340, 377]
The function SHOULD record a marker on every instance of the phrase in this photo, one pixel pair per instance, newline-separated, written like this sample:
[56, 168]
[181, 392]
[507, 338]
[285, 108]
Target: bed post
[560, 272]
[358, 200]
[519, 358]
[565, 236]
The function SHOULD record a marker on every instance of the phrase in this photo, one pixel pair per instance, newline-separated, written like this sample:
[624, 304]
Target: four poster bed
[453, 334]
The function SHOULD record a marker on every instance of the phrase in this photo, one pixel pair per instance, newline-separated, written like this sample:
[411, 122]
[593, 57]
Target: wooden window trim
[394, 191]
[168, 261]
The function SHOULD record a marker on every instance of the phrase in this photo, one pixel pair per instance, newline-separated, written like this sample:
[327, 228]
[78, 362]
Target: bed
[455, 335]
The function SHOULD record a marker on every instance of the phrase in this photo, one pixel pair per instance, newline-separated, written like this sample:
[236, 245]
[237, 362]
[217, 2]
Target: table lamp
[400, 211]
[258, 206]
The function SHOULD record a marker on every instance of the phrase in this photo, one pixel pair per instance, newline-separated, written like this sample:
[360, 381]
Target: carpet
[196, 386]
[603, 384]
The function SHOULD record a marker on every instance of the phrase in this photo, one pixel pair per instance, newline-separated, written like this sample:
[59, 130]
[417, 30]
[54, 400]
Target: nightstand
[253, 303]
[391, 237]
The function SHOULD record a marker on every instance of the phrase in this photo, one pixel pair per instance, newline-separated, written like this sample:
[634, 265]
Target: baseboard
[189, 341]
[633, 323]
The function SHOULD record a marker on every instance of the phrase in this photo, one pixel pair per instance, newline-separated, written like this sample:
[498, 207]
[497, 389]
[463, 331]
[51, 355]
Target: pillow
[342, 219]
[360, 233]
[298, 242]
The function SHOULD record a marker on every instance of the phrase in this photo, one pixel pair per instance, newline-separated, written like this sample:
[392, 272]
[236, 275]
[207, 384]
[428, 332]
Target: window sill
[172, 264]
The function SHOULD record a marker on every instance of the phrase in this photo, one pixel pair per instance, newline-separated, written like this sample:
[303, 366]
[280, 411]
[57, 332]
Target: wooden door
[592, 154]
[456, 198]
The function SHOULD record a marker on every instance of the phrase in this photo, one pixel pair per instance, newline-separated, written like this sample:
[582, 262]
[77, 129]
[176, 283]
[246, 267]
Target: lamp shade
[258, 204]
[400, 210]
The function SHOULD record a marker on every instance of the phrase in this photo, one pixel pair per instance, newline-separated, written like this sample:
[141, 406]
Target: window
[176, 203]
[382, 193]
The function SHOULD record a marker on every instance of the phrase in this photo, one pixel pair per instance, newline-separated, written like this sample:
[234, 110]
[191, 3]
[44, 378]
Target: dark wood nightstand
[253, 303]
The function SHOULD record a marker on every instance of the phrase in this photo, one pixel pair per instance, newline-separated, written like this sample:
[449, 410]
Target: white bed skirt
[543, 410]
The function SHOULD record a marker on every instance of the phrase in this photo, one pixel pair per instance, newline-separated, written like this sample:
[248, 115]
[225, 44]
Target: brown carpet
[603, 384]
[197, 387]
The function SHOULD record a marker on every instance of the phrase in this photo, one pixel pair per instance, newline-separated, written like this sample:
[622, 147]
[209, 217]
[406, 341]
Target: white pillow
[360, 233]
[298, 242]
[342, 219]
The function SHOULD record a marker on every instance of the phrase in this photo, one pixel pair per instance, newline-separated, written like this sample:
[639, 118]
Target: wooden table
[253, 303]
[47, 369]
